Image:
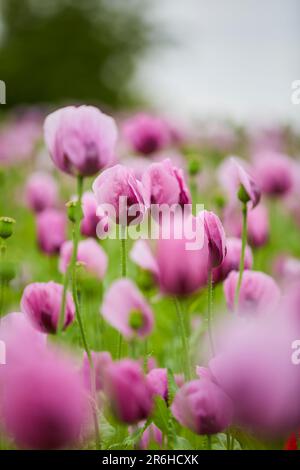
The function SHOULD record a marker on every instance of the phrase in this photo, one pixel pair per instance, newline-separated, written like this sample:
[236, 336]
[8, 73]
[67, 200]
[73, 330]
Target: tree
[72, 50]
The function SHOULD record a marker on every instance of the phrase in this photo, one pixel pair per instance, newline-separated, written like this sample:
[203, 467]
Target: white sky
[229, 58]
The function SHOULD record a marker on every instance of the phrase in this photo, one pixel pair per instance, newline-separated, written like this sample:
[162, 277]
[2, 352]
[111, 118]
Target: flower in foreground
[43, 402]
[259, 292]
[128, 392]
[254, 367]
[81, 140]
[41, 302]
[125, 308]
[203, 407]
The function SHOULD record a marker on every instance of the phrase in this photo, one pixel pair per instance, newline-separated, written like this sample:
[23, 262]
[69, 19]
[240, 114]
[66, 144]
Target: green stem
[209, 311]
[123, 253]
[209, 442]
[2, 282]
[242, 261]
[185, 348]
[119, 350]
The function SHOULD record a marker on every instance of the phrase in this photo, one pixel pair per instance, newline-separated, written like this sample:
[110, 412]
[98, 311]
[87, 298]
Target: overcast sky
[230, 58]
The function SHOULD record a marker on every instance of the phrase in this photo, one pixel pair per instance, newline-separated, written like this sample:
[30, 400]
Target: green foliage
[83, 51]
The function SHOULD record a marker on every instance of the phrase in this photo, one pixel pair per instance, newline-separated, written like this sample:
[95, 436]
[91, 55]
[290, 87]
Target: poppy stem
[185, 348]
[123, 236]
[2, 282]
[209, 311]
[242, 261]
[209, 442]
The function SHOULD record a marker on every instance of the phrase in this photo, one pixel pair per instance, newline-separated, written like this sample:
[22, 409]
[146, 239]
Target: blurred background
[229, 59]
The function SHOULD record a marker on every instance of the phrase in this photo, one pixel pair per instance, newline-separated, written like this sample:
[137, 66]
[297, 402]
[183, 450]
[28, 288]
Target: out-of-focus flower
[128, 391]
[158, 380]
[216, 238]
[287, 268]
[259, 293]
[152, 434]
[18, 140]
[89, 253]
[118, 188]
[41, 191]
[232, 259]
[41, 301]
[202, 407]
[254, 367]
[292, 442]
[179, 269]
[81, 140]
[146, 134]
[101, 360]
[274, 173]
[233, 175]
[125, 308]
[291, 302]
[90, 218]
[165, 184]
[257, 224]
[51, 230]
[44, 404]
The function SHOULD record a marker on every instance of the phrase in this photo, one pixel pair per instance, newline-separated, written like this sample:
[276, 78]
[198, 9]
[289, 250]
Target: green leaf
[172, 387]
[160, 415]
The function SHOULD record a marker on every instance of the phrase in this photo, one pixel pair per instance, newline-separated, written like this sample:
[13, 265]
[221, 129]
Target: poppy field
[149, 283]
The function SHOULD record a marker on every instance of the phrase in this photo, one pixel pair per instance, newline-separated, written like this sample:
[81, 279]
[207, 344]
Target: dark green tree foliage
[72, 50]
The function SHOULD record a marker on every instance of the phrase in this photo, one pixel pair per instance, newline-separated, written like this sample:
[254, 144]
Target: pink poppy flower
[51, 230]
[89, 253]
[81, 140]
[41, 301]
[125, 308]
[128, 391]
[259, 292]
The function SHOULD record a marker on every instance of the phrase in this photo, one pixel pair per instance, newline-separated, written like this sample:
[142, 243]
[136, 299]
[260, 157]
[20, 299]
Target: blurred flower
[232, 259]
[118, 188]
[165, 184]
[41, 301]
[287, 268]
[89, 253]
[41, 191]
[90, 217]
[257, 224]
[101, 360]
[274, 172]
[128, 391]
[202, 407]
[125, 308]
[51, 230]
[43, 402]
[254, 367]
[18, 140]
[233, 175]
[81, 140]
[259, 292]
[158, 381]
[146, 134]
[152, 434]
[216, 238]
[178, 268]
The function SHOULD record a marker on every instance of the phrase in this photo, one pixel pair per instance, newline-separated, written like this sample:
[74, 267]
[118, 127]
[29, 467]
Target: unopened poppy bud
[6, 227]
[136, 320]
[194, 167]
[74, 211]
[243, 195]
